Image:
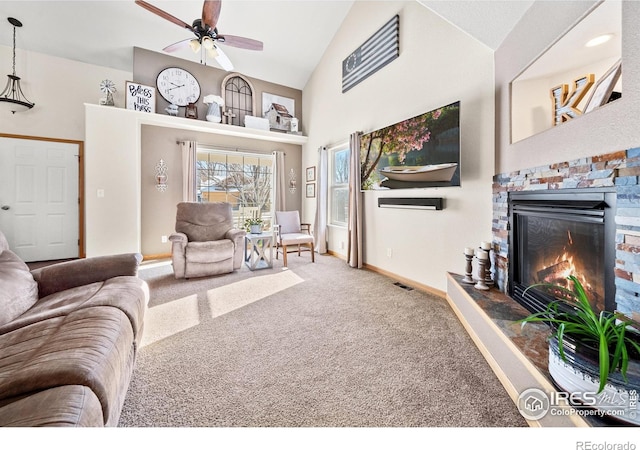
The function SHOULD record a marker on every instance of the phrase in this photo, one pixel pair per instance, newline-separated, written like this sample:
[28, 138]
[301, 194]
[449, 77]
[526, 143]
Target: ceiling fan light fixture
[207, 43]
[12, 95]
[213, 52]
[195, 45]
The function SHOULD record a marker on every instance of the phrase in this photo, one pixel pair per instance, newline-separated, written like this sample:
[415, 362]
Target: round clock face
[178, 86]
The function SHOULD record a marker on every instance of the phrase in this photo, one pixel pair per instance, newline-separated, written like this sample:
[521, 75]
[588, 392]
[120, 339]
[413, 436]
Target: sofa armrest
[236, 235]
[67, 275]
[179, 238]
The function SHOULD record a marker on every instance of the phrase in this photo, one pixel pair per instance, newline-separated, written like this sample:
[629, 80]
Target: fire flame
[568, 267]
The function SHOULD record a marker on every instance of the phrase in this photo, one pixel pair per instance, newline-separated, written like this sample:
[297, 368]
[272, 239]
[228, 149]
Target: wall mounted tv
[420, 152]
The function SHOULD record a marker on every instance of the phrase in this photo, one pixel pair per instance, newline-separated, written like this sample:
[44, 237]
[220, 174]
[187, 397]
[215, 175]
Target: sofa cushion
[128, 294]
[19, 290]
[289, 221]
[64, 406]
[296, 238]
[204, 221]
[209, 252]
[91, 347]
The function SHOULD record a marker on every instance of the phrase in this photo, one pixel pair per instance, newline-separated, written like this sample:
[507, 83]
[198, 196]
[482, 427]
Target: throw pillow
[19, 290]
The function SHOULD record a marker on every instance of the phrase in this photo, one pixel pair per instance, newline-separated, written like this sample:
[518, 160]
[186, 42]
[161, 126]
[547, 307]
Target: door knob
[5, 207]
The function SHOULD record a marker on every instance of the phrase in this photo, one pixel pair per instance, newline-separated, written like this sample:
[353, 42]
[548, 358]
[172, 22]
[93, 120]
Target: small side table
[256, 255]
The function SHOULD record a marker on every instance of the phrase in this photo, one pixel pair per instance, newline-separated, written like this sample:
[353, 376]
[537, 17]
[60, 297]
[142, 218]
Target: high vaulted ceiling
[295, 32]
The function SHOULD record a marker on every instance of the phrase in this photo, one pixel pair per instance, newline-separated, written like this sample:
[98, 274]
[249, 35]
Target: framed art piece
[278, 110]
[140, 97]
[311, 190]
[603, 87]
[420, 152]
[311, 173]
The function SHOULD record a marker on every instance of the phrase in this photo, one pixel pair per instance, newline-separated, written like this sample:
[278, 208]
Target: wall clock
[178, 86]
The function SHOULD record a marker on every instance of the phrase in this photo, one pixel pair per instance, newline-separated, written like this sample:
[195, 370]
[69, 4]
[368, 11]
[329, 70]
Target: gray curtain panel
[354, 248]
[188, 149]
[320, 222]
[280, 182]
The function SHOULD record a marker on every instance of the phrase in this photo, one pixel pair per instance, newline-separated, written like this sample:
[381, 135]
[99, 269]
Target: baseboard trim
[337, 255]
[406, 281]
[154, 257]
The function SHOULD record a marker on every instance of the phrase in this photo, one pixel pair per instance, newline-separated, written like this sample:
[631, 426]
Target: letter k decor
[565, 104]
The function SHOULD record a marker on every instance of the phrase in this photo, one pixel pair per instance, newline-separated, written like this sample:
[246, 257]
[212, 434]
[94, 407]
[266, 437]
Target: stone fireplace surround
[620, 170]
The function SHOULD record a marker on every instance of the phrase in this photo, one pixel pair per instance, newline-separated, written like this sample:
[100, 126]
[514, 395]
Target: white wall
[112, 181]
[59, 88]
[438, 65]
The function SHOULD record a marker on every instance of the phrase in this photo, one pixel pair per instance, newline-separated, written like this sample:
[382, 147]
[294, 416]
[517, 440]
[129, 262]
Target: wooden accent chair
[290, 232]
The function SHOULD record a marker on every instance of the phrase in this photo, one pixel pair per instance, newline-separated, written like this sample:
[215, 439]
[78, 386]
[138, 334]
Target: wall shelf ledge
[182, 123]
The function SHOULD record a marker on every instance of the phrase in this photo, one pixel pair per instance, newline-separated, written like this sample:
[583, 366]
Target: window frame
[219, 151]
[333, 186]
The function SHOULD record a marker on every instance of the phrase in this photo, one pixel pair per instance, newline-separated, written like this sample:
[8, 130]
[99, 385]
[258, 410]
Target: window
[243, 179]
[339, 186]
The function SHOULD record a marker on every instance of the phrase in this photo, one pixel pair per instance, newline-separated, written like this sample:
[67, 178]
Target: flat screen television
[420, 152]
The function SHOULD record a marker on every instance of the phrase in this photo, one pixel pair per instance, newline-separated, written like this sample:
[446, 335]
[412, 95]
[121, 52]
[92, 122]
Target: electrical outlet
[164, 239]
[100, 193]
[389, 253]
[341, 245]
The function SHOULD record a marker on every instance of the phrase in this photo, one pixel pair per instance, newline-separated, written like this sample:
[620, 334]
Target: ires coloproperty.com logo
[534, 404]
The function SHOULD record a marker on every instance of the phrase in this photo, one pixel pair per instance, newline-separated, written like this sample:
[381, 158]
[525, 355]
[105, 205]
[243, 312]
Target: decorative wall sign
[378, 51]
[140, 97]
[565, 103]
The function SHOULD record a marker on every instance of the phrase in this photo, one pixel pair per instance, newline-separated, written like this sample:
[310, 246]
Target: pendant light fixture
[12, 96]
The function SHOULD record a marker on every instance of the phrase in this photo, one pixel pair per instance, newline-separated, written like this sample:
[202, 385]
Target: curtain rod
[233, 149]
[330, 147]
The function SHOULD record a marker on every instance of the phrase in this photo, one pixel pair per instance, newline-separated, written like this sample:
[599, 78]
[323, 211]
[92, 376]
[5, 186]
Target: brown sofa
[68, 339]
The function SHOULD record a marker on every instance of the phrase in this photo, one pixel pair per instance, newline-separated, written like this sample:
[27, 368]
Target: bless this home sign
[140, 97]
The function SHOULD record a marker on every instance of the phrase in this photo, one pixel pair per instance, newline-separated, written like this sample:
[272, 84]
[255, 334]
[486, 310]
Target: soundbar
[411, 203]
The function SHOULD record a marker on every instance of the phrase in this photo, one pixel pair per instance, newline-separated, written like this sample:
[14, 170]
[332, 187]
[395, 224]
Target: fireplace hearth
[557, 233]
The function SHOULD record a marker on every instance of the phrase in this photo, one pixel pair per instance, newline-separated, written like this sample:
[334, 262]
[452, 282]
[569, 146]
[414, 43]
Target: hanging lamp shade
[12, 97]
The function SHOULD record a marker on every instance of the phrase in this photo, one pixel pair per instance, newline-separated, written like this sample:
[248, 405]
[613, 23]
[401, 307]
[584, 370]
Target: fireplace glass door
[552, 249]
[555, 234]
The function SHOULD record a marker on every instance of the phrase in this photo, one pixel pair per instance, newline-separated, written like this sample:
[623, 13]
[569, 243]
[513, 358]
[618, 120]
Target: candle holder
[482, 264]
[487, 274]
[468, 269]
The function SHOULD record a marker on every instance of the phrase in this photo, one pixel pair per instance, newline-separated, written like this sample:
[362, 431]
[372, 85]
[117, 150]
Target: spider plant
[608, 332]
[251, 221]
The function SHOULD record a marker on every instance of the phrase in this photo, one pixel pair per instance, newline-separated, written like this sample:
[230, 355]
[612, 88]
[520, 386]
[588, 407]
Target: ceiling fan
[206, 33]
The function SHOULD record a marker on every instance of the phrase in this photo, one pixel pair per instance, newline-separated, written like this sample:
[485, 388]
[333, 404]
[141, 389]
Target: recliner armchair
[205, 242]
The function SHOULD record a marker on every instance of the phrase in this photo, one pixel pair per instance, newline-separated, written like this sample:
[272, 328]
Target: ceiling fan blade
[177, 46]
[240, 42]
[163, 14]
[223, 59]
[211, 12]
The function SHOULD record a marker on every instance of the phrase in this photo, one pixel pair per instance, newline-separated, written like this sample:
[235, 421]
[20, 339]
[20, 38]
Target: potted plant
[253, 225]
[589, 351]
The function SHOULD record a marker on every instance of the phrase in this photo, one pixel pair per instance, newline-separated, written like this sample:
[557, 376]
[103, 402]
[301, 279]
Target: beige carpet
[318, 345]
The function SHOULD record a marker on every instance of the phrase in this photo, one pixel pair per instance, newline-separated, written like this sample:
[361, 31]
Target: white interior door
[39, 203]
